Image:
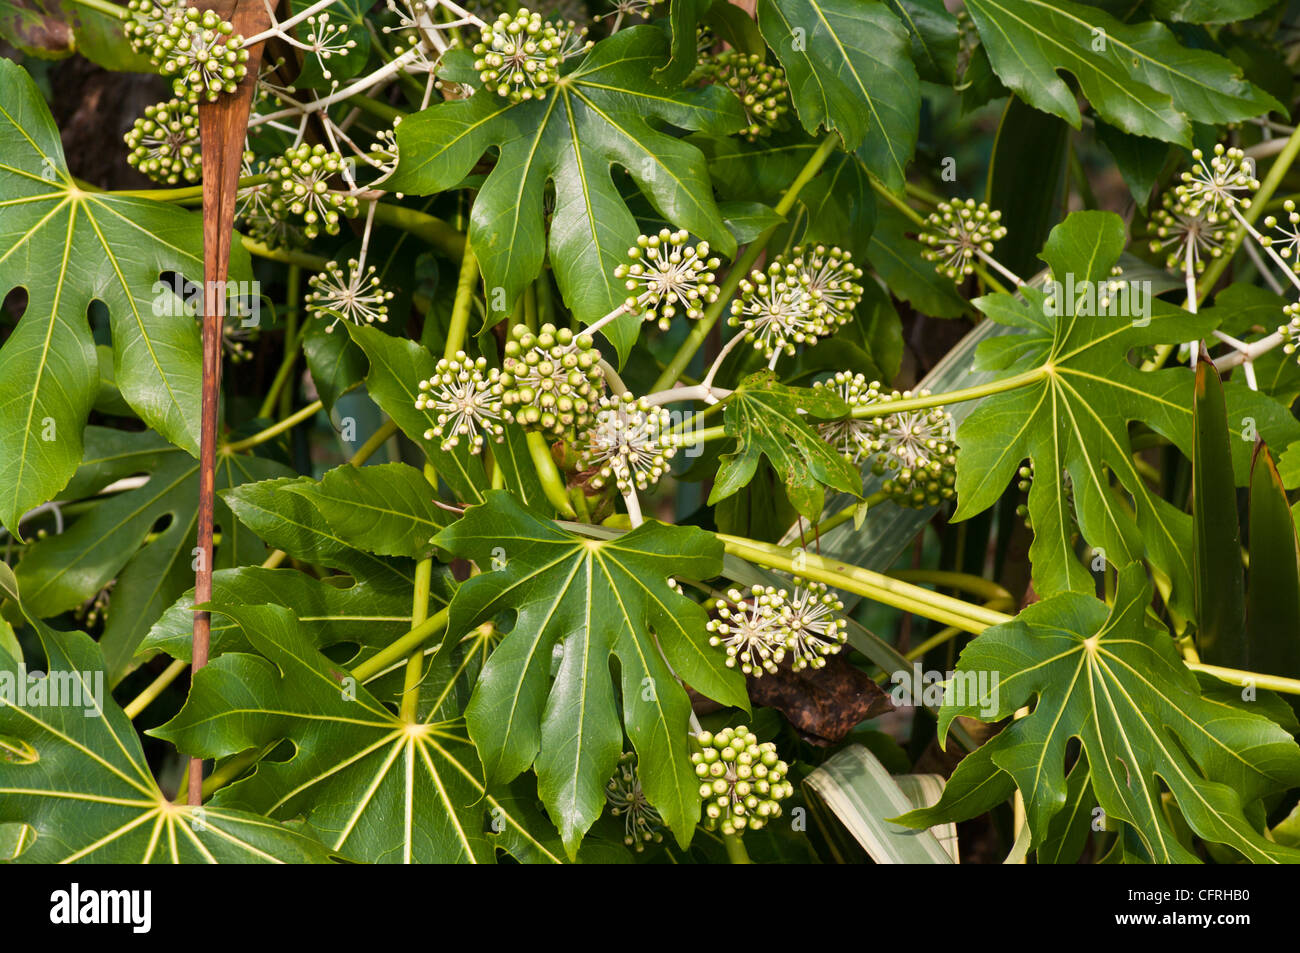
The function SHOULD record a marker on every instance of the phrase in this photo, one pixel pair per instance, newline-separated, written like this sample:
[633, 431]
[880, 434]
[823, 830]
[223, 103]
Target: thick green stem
[273, 431]
[875, 586]
[976, 585]
[415, 662]
[422, 225]
[155, 688]
[459, 327]
[291, 341]
[736, 852]
[288, 256]
[403, 647]
[741, 268]
[106, 8]
[549, 474]
[373, 443]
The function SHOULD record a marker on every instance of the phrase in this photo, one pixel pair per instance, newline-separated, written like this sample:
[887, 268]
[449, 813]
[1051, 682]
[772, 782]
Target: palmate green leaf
[850, 69]
[1114, 681]
[78, 778]
[1073, 419]
[590, 601]
[374, 787]
[363, 614]
[141, 540]
[935, 38]
[598, 117]
[386, 509]
[1137, 77]
[767, 420]
[68, 247]
[292, 522]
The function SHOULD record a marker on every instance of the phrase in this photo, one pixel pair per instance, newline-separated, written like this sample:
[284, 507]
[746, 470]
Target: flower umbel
[164, 143]
[751, 627]
[1190, 231]
[917, 453]
[1220, 184]
[550, 380]
[1291, 330]
[797, 301]
[626, 443]
[466, 396]
[852, 437]
[816, 631]
[519, 56]
[300, 180]
[1287, 244]
[958, 232]
[202, 53]
[641, 822]
[742, 782]
[668, 273]
[355, 297]
[762, 89]
[150, 18]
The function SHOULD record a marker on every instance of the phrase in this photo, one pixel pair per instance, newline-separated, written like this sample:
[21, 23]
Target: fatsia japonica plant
[649, 431]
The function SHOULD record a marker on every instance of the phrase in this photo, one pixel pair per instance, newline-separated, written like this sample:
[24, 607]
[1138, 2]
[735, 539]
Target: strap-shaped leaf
[67, 247]
[850, 69]
[1137, 76]
[599, 116]
[588, 600]
[766, 419]
[74, 772]
[1109, 678]
[1073, 418]
[375, 787]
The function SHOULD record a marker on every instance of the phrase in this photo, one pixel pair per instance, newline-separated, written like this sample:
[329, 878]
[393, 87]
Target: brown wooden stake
[222, 127]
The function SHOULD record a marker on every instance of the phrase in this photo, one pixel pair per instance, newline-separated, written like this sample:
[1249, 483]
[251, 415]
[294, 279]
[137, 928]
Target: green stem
[184, 193]
[422, 225]
[885, 407]
[742, 268]
[106, 8]
[287, 255]
[376, 108]
[849, 512]
[273, 431]
[875, 586]
[976, 585]
[459, 327]
[934, 641]
[155, 688]
[415, 662]
[291, 341]
[1272, 683]
[549, 474]
[233, 768]
[736, 852]
[373, 443]
[404, 646]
